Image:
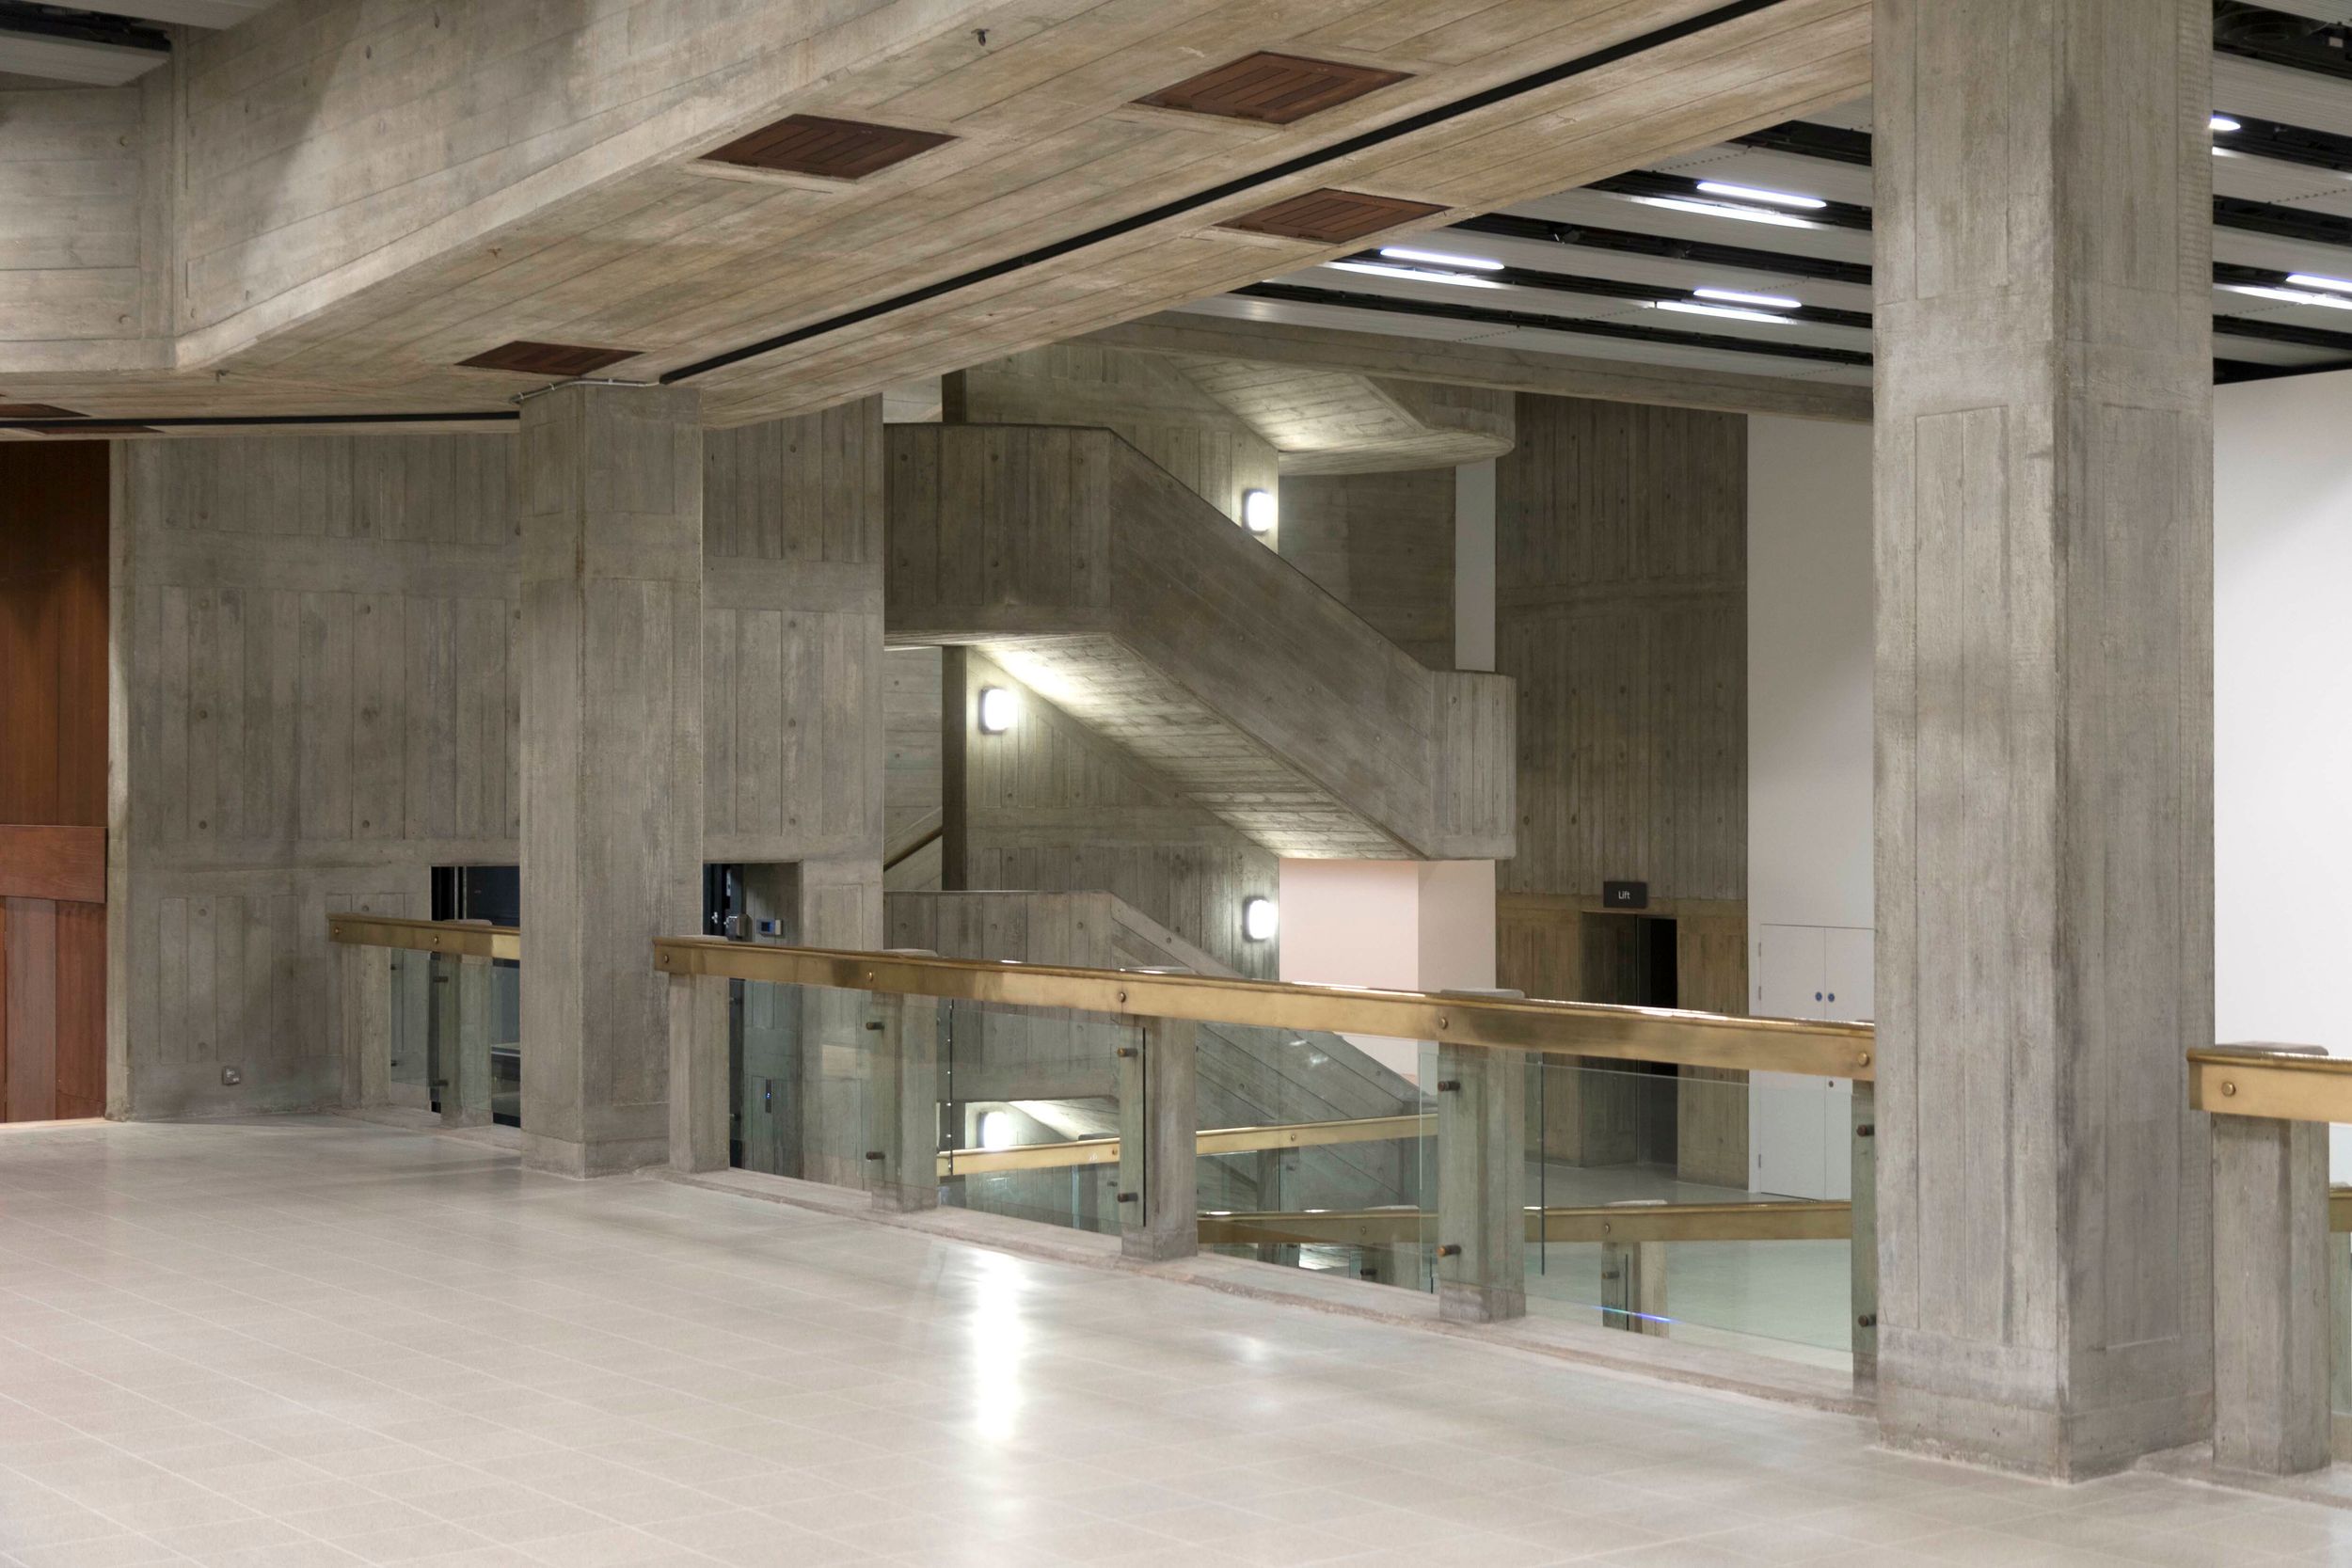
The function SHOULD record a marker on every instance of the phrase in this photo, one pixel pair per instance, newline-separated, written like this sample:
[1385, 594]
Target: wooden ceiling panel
[1334, 216]
[1271, 88]
[559, 361]
[826, 148]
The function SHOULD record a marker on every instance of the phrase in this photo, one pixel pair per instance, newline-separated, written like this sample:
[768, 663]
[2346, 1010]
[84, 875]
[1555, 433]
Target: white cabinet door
[1791, 972]
[1785, 1117]
[1850, 988]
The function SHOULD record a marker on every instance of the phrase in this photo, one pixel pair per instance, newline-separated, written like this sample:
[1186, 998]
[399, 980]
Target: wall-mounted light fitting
[996, 710]
[997, 1130]
[1258, 511]
[1259, 919]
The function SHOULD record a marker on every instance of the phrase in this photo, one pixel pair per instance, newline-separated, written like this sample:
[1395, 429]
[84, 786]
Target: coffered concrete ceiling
[333, 205]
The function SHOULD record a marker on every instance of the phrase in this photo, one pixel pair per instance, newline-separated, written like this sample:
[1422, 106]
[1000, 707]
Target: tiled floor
[319, 1343]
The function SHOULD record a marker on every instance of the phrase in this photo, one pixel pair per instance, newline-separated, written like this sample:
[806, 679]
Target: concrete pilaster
[2271, 1316]
[464, 1065]
[610, 656]
[1158, 1148]
[701, 1015]
[2044, 857]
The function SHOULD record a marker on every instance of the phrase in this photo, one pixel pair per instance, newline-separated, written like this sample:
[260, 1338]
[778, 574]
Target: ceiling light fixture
[1725, 210]
[2290, 296]
[2316, 280]
[1414, 275]
[2223, 123]
[1736, 296]
[1757, 193]
[1729, 312]
[1439, 258]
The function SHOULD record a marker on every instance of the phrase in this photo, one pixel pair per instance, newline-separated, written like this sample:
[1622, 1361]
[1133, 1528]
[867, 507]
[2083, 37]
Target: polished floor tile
[318, 1341]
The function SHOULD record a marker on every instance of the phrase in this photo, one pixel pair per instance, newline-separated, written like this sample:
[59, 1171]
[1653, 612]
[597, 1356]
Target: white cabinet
[1800, 1130]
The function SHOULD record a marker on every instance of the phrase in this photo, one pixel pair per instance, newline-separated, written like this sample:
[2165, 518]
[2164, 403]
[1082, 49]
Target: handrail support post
[2272, 1316]
[903, 1159]
[1482, 1178]
[1159, 1158]
[700, 1019]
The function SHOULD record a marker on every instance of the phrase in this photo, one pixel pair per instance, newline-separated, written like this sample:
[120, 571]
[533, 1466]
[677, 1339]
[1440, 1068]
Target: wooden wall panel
[1621, 552]
[53, 631]
[1383, 546]
[1621, 536]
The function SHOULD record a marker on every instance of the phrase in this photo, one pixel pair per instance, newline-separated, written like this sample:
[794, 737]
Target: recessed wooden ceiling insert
[1332, 216]
[552, 359]
[36, 411]
[829, 148]
[1273, 89]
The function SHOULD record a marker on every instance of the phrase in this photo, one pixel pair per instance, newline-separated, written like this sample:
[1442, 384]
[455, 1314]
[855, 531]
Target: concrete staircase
[1095, 577]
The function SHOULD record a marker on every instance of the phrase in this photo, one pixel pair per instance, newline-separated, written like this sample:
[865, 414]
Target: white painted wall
[1809, 584]
[2282, 714]
[1397, 925]
[1809, 777]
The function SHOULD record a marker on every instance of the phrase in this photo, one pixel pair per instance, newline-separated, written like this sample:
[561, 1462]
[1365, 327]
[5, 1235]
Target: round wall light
[997, 1130]
[1259, 919]
[996, 710]
[1258, 511]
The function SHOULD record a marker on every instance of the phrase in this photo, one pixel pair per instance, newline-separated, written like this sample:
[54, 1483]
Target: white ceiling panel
[2244, 87]
[1603, 209]
[2254, 179]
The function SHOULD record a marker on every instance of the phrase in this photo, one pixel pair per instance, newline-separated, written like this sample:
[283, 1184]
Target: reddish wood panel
[32, 1052]
[81, 1011]
[54, 506]
[67, 864]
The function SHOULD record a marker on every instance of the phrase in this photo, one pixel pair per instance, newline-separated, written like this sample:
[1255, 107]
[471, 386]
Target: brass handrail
[471, 938]
[1553, 1028]
[1827, 1221]
[1222, 1140]
[2285, 1085]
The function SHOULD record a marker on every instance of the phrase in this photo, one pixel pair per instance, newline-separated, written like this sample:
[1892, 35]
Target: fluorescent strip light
[1414, 275]
[1771, 199]
[1692, 307]
[1441, 258]
[2223, 123]
[2291, 296]
[1725, 210]
[1734, 296]
[2313, 281]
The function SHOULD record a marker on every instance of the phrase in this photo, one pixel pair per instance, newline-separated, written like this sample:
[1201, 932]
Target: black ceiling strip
[1678, 187]
[2230, 371]
[2278, 38]
[2286, 223]
[1346, 146]
[236, 420]
[1618, 288]
[81, 26]
[2281, 332]
[2282, 143]
[1293, 294]
[1809, 139]
[1627, 241]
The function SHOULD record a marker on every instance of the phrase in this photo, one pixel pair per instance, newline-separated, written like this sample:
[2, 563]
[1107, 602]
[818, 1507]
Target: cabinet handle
[1832, 996]
[1817, 996]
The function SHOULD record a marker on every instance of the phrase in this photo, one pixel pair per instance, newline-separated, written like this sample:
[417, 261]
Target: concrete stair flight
[1097, 578]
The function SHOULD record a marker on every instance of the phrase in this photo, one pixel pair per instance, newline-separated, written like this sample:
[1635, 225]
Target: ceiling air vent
[1332, 216]
[36, 411]
[831, 148]
[1274, 89]
[558, 360]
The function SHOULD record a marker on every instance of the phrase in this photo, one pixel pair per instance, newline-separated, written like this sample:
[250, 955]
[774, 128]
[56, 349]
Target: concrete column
[611, 487]
[2044, 726]
[1482, 1183]
[2271, 1317]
